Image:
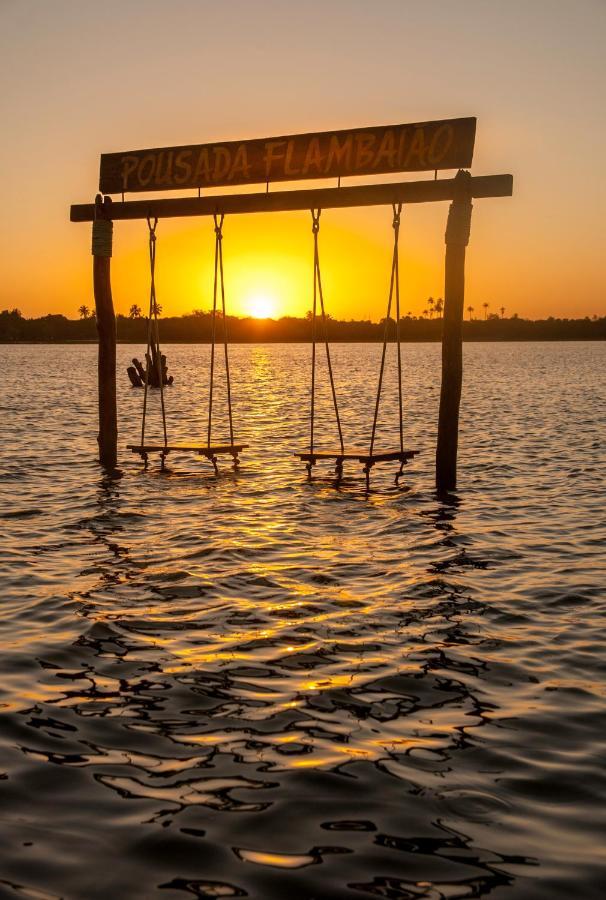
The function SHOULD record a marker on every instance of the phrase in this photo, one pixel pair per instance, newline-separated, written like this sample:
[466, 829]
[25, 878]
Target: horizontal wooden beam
[287, 201]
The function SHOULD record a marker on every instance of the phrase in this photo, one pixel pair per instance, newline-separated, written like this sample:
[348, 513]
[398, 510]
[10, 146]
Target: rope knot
[315, 220]
[397, 211]
[152, 223]
[218, 219]
[102, 237]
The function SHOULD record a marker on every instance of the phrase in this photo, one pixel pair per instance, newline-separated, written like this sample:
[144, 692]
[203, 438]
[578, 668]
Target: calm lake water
[255, 686]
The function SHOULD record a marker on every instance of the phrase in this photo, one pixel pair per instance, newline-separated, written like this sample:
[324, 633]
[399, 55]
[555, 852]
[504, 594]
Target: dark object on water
[140, 370]
[137, 372]
[135, 378]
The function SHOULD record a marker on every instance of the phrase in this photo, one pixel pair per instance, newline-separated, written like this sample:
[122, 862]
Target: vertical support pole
[106, 329]
[457, 238]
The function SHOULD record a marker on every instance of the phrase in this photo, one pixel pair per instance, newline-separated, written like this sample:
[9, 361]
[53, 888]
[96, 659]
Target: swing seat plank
[368, 460]
[202, 449]
[358, 456]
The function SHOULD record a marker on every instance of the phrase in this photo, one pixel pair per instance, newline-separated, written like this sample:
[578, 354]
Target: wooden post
[457, 238]
[106, 329]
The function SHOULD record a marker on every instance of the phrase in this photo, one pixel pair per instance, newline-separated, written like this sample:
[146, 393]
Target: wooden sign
[423, 146]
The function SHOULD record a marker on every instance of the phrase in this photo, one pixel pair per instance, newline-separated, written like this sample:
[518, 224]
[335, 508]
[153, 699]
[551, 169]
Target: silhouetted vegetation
[196, 328]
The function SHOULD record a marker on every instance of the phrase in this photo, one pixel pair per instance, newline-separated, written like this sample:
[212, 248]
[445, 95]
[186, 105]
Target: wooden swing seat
[202, 449]
[368, 460]
[359, 456]
[210, 451]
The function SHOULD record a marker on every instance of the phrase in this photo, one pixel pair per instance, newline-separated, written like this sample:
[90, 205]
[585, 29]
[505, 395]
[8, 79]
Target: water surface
[255, 686]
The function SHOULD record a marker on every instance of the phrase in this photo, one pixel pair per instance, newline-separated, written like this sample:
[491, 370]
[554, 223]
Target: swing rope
[318, 294]
[153, 334]
[218, 275]
[394, 287]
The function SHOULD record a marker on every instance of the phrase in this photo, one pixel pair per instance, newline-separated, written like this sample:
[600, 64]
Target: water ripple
[255, 686]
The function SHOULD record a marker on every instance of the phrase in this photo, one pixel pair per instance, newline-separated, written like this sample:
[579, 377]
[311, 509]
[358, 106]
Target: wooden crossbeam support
[288, 201]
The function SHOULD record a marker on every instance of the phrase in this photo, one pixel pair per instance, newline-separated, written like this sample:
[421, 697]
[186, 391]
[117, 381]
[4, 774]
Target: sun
[260, 306]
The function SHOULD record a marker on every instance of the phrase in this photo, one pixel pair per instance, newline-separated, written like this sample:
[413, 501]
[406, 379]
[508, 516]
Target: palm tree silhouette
[134, 312]
[502, 312]
[470, 310]
[84, 312]
[485, 305]
[439, 306]
[157, 309]
[430, 303]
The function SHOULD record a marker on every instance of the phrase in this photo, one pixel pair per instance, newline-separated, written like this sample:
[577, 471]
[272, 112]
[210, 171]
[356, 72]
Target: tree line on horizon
[434, 307]
[196, 327]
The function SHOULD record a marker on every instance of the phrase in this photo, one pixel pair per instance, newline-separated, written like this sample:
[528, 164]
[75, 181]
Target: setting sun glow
[260, 306]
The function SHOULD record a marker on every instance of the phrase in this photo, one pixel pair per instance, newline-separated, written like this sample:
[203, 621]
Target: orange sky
[80, 79]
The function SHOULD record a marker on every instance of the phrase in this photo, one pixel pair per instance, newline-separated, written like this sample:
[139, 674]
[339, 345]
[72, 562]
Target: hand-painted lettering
[129, 164]
[272, 154]
[183, 165]
[364, 150]
[416, 151]
[147, 167]
[240, 169]
[313, 158]
[440, 144]
[339, 153]
[386, 156]
[164, 169]
[222, 164]
[445, 144]
[289, 169]
[202, 173]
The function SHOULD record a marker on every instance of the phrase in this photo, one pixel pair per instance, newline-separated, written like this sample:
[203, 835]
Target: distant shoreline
[244, 343]
[197, 328]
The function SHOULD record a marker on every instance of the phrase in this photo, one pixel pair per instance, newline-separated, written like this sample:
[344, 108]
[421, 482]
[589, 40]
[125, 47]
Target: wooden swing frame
[459, 191]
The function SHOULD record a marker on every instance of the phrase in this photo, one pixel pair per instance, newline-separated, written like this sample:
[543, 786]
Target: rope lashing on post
[153, 336]
[394, 288]
[319, 294]
[219, 275]
[103, 230]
